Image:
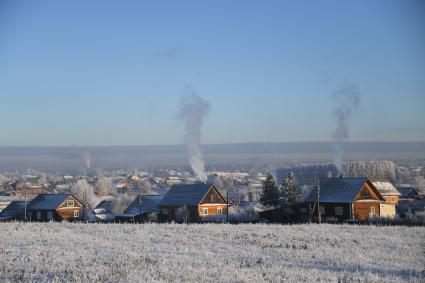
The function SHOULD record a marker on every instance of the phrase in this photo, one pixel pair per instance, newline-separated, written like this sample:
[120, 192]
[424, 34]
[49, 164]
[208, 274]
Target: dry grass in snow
[66, 252]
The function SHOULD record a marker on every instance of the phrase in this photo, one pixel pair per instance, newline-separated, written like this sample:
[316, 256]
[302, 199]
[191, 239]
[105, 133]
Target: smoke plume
[192, 111]
[87, 160]
[346, 101]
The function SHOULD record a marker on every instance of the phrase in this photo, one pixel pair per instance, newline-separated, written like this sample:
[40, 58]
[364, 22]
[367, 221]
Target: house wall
[388, 199]
[387, 210]
[212, 211]
[329, 214]
[362, 209]
[191, 214]
[66, 211]
[32, 215]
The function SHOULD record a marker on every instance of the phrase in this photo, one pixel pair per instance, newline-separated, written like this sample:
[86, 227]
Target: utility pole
[84, 205]
[25, 195]
[140, 208]
[318, 201]
[227, 210]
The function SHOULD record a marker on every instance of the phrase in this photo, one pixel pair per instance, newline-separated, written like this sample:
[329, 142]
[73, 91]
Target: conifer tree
[290, 192]
[270, 193]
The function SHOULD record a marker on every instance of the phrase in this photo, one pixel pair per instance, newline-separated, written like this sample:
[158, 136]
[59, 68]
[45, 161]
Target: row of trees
[286, 193]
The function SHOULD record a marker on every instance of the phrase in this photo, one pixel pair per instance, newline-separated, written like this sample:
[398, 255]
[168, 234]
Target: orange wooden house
[56, 207]
[193, 203]
[349, 199]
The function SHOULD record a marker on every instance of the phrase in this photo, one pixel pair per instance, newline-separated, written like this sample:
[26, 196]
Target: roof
[150, 203]
[48, 201]
[386, 189]
[14, 209]
[337, 190]
[186, 194]
[420, 191]
[107, 205]
[405, 191]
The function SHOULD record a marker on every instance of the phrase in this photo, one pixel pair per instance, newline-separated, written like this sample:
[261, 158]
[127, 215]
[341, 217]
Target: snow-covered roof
[337, 190]
[386, 189]
[186, 194]
[14, 209]
[149, 204]
[420, 191]
[48, 201]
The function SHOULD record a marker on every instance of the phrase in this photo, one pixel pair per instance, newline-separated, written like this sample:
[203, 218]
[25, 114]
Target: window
[392, 199]
[205, 211]
[211, 198]
[49, 215]
[70, 203]
[219, 210]
[164, 211]
[338, 210]
[322, 210]
[38, 215]
[76, 213]
[372, 210]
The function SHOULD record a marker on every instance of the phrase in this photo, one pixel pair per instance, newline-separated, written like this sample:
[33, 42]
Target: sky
[76, 73]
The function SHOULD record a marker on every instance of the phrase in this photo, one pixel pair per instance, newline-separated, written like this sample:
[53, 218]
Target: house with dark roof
[343, 199]
[407, 192]
[15, 211]
[193, 203]
[57, 207]
[103, 210]
[143, 208]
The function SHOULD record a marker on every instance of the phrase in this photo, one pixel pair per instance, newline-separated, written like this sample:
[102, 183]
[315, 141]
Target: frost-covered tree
[270, 193]
[290, 192]
[104, 186]
[374, 170]
[85, 192]
[419, 182]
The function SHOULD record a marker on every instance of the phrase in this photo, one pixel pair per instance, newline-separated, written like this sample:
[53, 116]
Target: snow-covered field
[210, 253]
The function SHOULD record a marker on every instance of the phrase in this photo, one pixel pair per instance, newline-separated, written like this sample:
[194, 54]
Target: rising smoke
[87, 160]
[192, 111]
[346, 101]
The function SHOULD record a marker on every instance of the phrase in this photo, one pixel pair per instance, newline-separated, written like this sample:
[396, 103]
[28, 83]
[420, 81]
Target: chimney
[340, 176]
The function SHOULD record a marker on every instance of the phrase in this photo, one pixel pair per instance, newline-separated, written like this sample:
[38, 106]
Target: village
[226, 197]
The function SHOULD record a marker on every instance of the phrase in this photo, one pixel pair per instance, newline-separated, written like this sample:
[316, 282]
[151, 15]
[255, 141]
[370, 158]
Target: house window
[70, 203]
[338, 210]
[205, 211]
[49, 215]
[38, 215]
[372, 210]
[219, 210]
[164, 211]
[76, 213]
[322, 210]
[392, 200]
[211, 198]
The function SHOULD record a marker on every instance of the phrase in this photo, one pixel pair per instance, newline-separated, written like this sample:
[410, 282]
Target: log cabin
[56, 207]
[349, 199]
[193, 203]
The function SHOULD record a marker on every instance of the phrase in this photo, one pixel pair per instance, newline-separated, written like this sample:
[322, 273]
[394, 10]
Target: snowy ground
[210, 253]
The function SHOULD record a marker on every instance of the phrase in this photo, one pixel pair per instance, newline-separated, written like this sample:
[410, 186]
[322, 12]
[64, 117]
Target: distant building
[349, 199]
[193, 203]
[58, 207]
[143, 208]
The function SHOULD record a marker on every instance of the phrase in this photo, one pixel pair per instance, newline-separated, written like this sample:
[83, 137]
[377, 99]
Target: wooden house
[349, 199]
[388, 191]
[56, 207]
[193, 203]
[142, 209]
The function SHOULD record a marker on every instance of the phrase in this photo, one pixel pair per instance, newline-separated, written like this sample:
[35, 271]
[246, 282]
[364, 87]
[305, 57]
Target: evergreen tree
[270, 193]
[290, 192]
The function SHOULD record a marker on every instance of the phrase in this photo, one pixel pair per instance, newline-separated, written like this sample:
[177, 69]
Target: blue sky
[112, 72]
